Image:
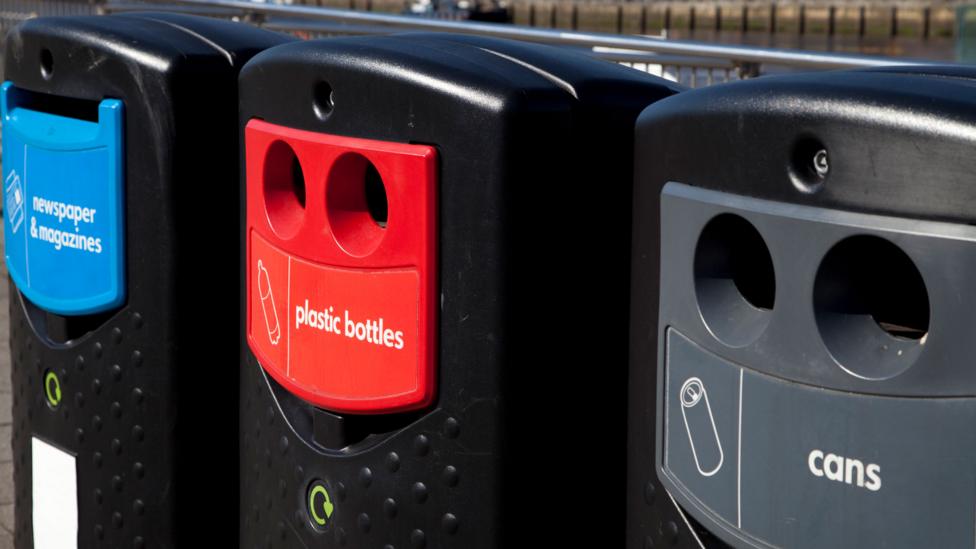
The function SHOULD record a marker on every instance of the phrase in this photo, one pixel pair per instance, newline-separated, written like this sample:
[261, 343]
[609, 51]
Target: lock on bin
[802, 297]
[416, 370]
[120, 169]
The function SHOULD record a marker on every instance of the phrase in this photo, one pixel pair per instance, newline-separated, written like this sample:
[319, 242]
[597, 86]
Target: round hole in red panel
[284, 190]
[356, 203]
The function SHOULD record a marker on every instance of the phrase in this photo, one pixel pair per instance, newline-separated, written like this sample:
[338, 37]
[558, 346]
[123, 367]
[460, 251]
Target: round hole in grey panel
[734, 280]
[871, 306]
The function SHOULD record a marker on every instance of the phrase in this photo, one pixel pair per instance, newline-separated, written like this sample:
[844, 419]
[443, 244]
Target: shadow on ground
[6, 455]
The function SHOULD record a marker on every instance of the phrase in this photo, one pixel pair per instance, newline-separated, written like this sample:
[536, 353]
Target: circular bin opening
[871, 306]
[47, 64]
[357, 206]
[809, 164]
[734, 280]
[284, 190]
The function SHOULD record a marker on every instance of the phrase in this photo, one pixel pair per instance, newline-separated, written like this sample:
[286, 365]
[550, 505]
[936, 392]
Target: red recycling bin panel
[341, 267]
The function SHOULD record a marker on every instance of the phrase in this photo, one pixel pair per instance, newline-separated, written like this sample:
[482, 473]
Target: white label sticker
[55, 490]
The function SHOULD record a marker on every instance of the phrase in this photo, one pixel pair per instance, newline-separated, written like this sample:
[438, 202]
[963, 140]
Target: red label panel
[335, 334]
[341, 304]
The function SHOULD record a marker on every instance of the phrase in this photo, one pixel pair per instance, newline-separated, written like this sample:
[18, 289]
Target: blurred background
[931, 30]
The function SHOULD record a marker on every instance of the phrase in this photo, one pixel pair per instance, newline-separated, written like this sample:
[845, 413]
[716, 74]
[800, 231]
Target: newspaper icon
[14, 204]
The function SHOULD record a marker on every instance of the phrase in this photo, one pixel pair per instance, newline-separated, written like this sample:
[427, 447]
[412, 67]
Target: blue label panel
[63, 206]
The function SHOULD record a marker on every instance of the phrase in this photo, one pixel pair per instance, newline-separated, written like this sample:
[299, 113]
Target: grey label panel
[701, 432]
[809, 468]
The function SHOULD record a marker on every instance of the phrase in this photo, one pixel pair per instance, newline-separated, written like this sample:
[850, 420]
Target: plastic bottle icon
[268, 304]
[700, 424]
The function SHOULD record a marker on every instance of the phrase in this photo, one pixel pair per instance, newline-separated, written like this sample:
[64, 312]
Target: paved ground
[6, 456]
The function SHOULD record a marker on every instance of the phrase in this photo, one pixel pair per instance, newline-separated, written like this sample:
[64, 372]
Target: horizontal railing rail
[735, 53]
[690, 62]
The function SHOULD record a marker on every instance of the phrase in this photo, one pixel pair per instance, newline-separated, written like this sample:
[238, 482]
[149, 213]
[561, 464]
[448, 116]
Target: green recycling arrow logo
[52, 389]
[326, 506]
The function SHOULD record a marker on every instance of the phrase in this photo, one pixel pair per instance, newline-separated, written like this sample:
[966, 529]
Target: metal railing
[692, 63]
[12, 12]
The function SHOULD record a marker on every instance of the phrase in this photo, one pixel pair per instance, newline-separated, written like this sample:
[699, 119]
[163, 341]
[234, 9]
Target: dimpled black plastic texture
[524, 445]
[908, 160]
[149, 402]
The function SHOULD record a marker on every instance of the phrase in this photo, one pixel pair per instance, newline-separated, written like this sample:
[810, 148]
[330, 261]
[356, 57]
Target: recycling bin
[437, 258]
[802, 303]
[120, 169]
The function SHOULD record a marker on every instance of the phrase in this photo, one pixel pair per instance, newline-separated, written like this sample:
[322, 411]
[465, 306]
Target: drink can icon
[696, 411]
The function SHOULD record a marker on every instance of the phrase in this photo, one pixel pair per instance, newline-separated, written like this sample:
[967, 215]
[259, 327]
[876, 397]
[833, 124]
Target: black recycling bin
[804, 253]
[437, 260]
[120, 167]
